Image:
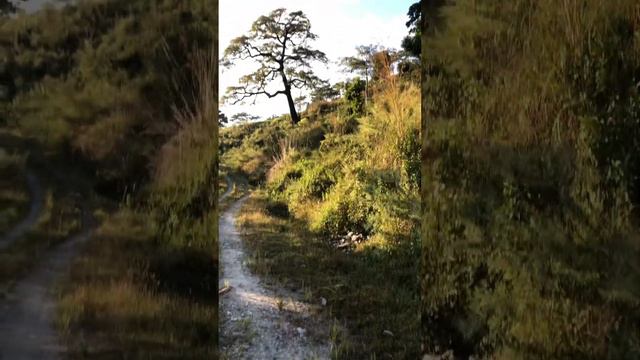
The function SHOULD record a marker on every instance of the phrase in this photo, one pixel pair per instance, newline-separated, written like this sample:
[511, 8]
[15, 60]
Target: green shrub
[354, 97]
[316, 180]
[346, 208]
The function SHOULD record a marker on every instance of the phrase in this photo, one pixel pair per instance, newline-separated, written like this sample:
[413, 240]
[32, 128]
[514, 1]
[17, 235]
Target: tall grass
[531, 108]
[393, 116]
[156, 257]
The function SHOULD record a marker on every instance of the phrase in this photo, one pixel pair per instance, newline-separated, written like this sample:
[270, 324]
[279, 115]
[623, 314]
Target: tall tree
[411, 42]
[362, 64]
[279, 43]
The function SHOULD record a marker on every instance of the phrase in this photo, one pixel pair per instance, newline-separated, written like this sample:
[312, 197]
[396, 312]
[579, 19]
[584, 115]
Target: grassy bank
[530, 242]
[345, 168]
[362, 291]
[124, 93]
[130, 296]
[59, 215]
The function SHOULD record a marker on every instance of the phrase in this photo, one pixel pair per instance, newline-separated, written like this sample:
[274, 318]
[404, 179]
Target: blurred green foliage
[530, 178]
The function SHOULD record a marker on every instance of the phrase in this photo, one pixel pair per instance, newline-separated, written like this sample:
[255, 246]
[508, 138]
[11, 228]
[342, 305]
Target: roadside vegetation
[58, 216]
[334, 206]
[531, 245]
[123, 94]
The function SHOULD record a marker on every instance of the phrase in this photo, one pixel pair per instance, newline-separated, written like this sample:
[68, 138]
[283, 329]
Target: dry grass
[122, 299]
[393, 115]
[366, 294]
[187, 157]
[282, 158]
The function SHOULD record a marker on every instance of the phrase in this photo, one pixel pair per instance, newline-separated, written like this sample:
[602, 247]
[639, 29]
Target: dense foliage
[126, 91]
[530, 241]
[88, 79]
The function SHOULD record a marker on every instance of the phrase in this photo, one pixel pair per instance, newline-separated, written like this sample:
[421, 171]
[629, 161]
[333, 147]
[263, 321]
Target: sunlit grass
[365, 293]
[119, 303]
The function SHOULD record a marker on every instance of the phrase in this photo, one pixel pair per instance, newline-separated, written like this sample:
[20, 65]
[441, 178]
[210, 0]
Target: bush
[346, 208]
[316, 180]
[354, 97]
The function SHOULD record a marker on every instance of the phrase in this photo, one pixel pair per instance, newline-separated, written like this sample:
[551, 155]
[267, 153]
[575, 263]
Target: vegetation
[14, 194]
[59, 204]
[530, 237]
[8, 7]
[345, 169]
[124, 93]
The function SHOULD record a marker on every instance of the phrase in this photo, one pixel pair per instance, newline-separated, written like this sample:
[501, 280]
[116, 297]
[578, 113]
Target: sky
[341, 25]
[33, 5]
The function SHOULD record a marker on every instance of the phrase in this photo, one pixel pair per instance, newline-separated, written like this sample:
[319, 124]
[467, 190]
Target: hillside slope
[334, 212]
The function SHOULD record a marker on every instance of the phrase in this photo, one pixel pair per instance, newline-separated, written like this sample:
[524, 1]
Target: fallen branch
[224, 290]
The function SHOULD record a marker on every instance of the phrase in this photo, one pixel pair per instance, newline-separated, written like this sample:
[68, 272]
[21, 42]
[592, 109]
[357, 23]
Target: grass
[530, 244]
[131, 297]
[14, 194]
[342, 171]
[59, 220]
[145, 286]
[60, 216]
[364, 290]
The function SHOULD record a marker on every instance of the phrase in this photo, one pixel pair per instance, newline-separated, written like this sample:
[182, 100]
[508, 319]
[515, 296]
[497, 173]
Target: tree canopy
[8, 7]
[279, 43]
[411, 42]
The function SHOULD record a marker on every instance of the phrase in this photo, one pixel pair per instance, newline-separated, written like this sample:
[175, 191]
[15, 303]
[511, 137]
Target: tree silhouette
[222, 118]
[279, 43]
[243, 117]
[412, 42]
[8, 7]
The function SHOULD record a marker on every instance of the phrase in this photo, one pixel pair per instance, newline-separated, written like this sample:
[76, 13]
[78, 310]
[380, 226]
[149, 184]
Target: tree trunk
[366, 88]
[292, 107]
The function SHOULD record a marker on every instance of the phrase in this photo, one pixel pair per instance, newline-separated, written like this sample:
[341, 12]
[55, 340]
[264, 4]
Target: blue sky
[340, 24]
[384, 7]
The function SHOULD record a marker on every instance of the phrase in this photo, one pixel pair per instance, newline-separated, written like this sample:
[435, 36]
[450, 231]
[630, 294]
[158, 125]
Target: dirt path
[27, 317]
[35, 208]
[256, 321]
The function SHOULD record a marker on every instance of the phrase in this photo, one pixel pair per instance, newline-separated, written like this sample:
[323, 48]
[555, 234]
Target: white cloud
[341, 25]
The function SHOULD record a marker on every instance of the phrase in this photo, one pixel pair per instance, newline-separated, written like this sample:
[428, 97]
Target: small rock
[354, 238]
[350, 233]
[388, 333]
[301, 331]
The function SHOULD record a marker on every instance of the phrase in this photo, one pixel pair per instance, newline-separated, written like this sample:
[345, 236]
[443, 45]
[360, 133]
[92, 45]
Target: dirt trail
[256, 321]
[27, 317]
[35, 208]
